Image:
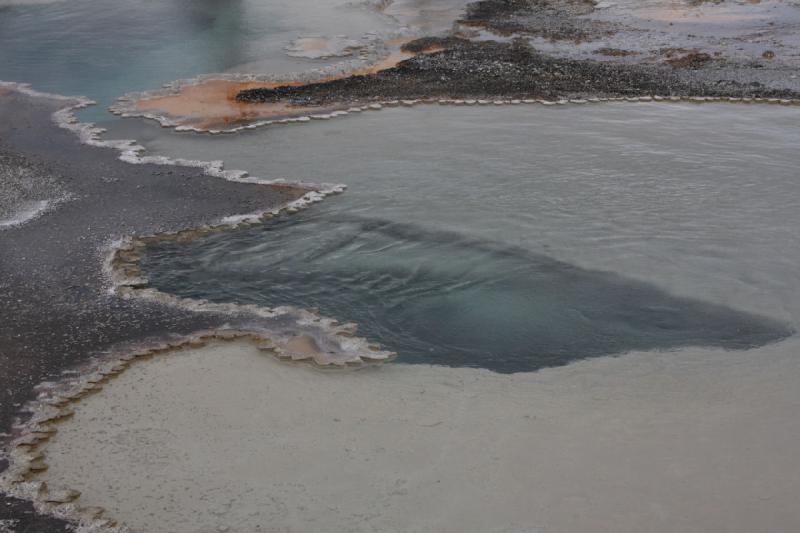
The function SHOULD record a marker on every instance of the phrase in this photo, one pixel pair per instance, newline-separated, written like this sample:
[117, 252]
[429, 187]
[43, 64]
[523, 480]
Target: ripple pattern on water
[439, 297]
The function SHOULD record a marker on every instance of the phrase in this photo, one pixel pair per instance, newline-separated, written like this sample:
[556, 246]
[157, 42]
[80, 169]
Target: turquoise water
[105, 49]
[521, 237]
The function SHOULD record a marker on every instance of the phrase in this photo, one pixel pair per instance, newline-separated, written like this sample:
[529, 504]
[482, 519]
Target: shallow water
[634, 443]
[519, 237]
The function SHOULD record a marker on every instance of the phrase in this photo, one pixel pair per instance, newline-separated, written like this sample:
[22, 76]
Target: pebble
[63, 496]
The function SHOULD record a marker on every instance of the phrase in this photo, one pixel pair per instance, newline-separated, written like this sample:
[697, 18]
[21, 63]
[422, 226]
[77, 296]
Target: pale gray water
[526, 236]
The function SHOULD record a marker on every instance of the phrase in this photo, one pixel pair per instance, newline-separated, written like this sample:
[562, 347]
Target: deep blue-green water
[519, 238]
[439, 297]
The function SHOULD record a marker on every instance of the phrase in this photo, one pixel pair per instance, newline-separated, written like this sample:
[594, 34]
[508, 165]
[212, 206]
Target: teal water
[105, 49]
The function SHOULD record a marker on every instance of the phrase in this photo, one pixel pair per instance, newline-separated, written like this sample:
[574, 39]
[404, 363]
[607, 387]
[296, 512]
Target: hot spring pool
[522, 237]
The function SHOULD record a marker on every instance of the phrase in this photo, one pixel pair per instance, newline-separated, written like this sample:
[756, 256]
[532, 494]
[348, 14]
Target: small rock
[63, 496]
[37, 466]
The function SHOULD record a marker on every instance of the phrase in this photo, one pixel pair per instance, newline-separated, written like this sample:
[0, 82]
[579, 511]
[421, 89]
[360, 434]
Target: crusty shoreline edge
[126, 106]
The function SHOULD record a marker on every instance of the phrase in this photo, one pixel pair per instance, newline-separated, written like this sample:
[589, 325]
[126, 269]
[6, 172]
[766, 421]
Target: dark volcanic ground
[521, 49]
[55, 309]
[467, 69]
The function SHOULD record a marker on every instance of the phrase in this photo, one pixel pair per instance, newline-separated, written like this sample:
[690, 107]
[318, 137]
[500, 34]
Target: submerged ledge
[298, 428]
[56, 402]
[281, 114]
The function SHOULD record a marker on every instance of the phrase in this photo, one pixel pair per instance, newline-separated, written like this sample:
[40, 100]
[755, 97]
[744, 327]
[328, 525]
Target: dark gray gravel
[55, 310]
[491, 69]
[551, 19]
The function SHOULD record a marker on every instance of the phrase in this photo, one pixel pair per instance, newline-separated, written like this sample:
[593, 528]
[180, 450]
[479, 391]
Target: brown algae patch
[211, 104]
